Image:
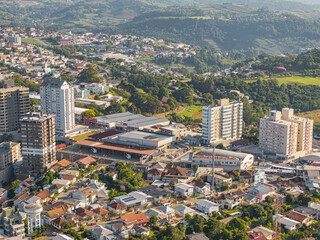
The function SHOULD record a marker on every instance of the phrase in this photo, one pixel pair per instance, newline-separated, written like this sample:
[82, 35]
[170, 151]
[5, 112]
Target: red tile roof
[256, 236]
[134, 218]
[64, 163]
[86, 161]
[44, 194]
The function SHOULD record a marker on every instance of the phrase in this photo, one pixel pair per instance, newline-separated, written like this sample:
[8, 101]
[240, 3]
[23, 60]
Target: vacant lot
[295, 79]
[194, 111]
[30, 41]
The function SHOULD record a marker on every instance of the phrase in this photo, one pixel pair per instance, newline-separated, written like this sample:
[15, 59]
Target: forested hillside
[229, 28]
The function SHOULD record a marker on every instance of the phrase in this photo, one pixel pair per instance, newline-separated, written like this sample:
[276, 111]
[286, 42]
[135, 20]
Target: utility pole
[277, 227]
[213, 167]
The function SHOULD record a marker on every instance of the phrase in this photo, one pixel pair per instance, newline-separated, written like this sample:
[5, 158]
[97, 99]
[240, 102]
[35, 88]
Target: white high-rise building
[57, 98]
[285, 135]
[222, 122]
[33, 212]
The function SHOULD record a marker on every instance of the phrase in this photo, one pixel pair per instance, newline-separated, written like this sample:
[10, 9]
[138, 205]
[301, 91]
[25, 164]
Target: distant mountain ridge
[227, 26]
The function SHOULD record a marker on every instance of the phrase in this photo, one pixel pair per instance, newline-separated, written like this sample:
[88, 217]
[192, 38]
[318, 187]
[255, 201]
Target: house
[68, 172]
[56, 188]
[201, 187]
[84, 214]
[265, 231]
[197, 236]
[288, 223]
[53, 214]
[259, 176]
[101, 212]
[184, 189]
[256, 236]
[86, 195]
[134, 199]
[57, 223]
[24, 186]
[219, 179]
[140, 230]
[113, 175]
[101, 233]
[168, 211]
[230, 199]
[99, 188]
[183, 210]
[154, 174]
[71, 178]
[250, 199]
[63, 182]
[160, 215]
[83, 163]
[134, 219]
[45, 196]
[246, 176]
[158, 194]
[117, 208]
[300, 217]
[260, 191]
[207, 206]
[176, 173]
[119, 228]
[64, 164]
[159, 165]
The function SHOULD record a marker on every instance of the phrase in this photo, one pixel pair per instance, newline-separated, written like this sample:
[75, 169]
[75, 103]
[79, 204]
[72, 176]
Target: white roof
[206, 203]
[62, 237]
[183, 186]
[184, 209]
[132, 198]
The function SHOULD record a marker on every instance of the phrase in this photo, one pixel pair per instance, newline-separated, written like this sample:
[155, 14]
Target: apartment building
[10, 152]
[38, 142]
[14, 104]
[222, 122]
[12, 223]
[57, 98]
[285, 135]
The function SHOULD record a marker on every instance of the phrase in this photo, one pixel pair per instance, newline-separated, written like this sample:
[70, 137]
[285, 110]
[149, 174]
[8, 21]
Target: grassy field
[314, 115]
[195, 112]
[296, 79]
[83, 136]
[30, 41]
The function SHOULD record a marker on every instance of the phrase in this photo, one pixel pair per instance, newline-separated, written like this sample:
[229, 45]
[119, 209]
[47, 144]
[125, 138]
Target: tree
[89, 74]
[269, 199]
[154, 220]
[195, 167]
[89, 113]
[224, 186]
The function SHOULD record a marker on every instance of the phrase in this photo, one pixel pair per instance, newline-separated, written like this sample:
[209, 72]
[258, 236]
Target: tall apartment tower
[285, 135]
[222, 122]
[14, 104]
[10, 152]
[57, 98]
[38, 142]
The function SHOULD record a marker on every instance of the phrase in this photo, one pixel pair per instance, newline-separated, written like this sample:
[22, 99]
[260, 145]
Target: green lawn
[30, 41]
[193, 111]
[296, 79]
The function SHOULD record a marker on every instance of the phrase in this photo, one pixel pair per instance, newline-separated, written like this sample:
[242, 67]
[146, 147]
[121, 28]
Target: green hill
[229, 27]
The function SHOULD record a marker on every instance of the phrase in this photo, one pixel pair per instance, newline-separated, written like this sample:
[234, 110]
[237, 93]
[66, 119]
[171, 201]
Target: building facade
[14, 104]
[33, 212]
[222, 122]
[57, 98]
[285, 135]
[10, 152]
[38, 142]
[12, 223]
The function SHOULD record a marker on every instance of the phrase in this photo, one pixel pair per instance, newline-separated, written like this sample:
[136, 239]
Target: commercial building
[125, 121]
[14, 104]
[38, 142]
[285, 135]
[57, 98]
[10, 152]
[227, 160]
[222, 122]
[131, 145]
[12, 223]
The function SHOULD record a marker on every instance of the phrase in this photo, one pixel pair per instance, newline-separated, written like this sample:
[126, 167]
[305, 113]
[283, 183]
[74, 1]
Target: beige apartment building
[285, 135]
[222, 122]
[10, 153]
[14, 104]
[38, 142]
